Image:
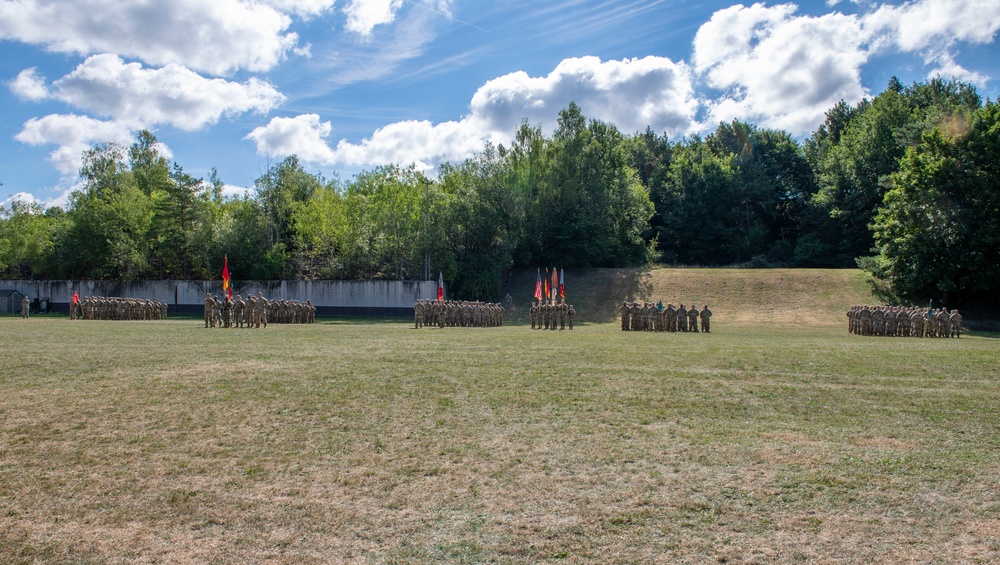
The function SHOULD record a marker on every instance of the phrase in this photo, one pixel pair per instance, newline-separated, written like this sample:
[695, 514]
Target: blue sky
[349, 85]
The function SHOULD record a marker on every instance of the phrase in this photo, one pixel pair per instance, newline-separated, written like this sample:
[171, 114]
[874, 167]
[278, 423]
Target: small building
[10, 301]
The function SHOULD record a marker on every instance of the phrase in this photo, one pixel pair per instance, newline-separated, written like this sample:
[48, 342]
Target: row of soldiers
[549, 315]
[226, 312]
[455, 313]
[649, 317]
[116, 308]
[903, 321]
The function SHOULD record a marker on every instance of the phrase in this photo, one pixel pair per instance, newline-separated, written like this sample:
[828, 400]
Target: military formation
[115, 308]
[550, 315]
[456, 314]
[649, 317]
[256, 311]
[904, 321]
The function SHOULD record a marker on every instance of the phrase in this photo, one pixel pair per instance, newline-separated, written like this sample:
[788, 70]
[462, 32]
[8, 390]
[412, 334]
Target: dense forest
[905, 185]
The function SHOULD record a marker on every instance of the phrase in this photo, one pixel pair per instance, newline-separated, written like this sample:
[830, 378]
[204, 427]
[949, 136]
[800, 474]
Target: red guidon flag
[440, 285]
[225, 277]
[562, 283]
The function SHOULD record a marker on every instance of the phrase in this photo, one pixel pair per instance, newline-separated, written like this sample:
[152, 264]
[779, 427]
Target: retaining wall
[358, 298]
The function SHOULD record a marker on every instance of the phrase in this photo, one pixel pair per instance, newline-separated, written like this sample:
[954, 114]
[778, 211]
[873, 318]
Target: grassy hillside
[815, 297]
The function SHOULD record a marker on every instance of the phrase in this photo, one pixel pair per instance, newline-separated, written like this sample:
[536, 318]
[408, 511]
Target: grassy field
[348, 442]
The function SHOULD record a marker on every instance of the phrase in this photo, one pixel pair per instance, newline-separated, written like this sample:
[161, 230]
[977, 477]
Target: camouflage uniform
[706, 319]
[693, 319]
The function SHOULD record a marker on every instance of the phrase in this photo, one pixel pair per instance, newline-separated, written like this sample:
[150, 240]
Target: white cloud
[303, 8]
[364, 15]
[933, 27]
[217, 37]
[778, 69]
[73, 134]
[783, 70]
[234, 191]
[302, 135]
[632, 94]
[914, 26]
[107, 86]
[29, 85]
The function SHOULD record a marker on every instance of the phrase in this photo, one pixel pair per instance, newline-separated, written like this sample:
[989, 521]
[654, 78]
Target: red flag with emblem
[225, 277]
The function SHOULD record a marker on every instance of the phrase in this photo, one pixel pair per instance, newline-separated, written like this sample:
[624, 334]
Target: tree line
[903, 185]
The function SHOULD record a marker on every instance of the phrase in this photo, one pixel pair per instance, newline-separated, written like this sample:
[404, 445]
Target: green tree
[938, 232]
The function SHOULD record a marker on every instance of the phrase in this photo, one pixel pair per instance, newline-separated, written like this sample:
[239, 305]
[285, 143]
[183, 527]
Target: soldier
[571, 316]
[682, 318]
[563, 312]
[693, 319]
[227, 312]
[239, 310]
[418, 313]
[671, 316]
[624, 311]
[636, 317]
[865, 317]
[441, 312]
[955, 322]
[706, 318]
[209, 305]
[533, 313]
[25, 305]
[262, 306]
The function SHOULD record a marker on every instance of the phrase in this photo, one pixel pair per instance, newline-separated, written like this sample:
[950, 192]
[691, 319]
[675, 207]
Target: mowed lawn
[352, 442]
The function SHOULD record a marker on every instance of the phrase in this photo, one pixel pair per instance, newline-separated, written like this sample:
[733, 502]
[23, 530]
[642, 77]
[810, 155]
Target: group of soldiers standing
[256, 311]
[454, 314]
[904, 321]
[115, 308]
[649, 317]
[549, 315]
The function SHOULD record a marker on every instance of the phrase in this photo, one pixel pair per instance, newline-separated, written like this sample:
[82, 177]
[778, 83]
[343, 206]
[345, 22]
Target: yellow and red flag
[225, 277]
[545, 282]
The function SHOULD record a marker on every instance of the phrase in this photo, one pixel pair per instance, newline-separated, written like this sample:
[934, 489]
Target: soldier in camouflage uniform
[418, 313]
[209, 305]
[706, 319]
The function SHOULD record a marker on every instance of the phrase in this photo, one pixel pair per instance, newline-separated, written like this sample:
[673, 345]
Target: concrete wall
[363, 298]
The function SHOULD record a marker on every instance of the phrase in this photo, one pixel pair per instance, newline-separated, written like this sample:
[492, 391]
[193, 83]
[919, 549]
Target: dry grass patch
[352, 443]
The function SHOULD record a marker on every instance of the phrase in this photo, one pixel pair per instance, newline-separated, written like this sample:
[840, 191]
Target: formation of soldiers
[456, 314]
[649, 317]
[904, 321]
[549, 315]
[256, 311]
[116, 308]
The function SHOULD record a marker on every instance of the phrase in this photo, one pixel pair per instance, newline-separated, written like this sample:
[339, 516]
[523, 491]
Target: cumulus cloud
[933, 27]
[129, 93]
[914, 26]
[364, 15]
[73, 134]
[633, 94]
[784, 70]
[779, 69]
[302, 135]
[217, 37]
[29, 85]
